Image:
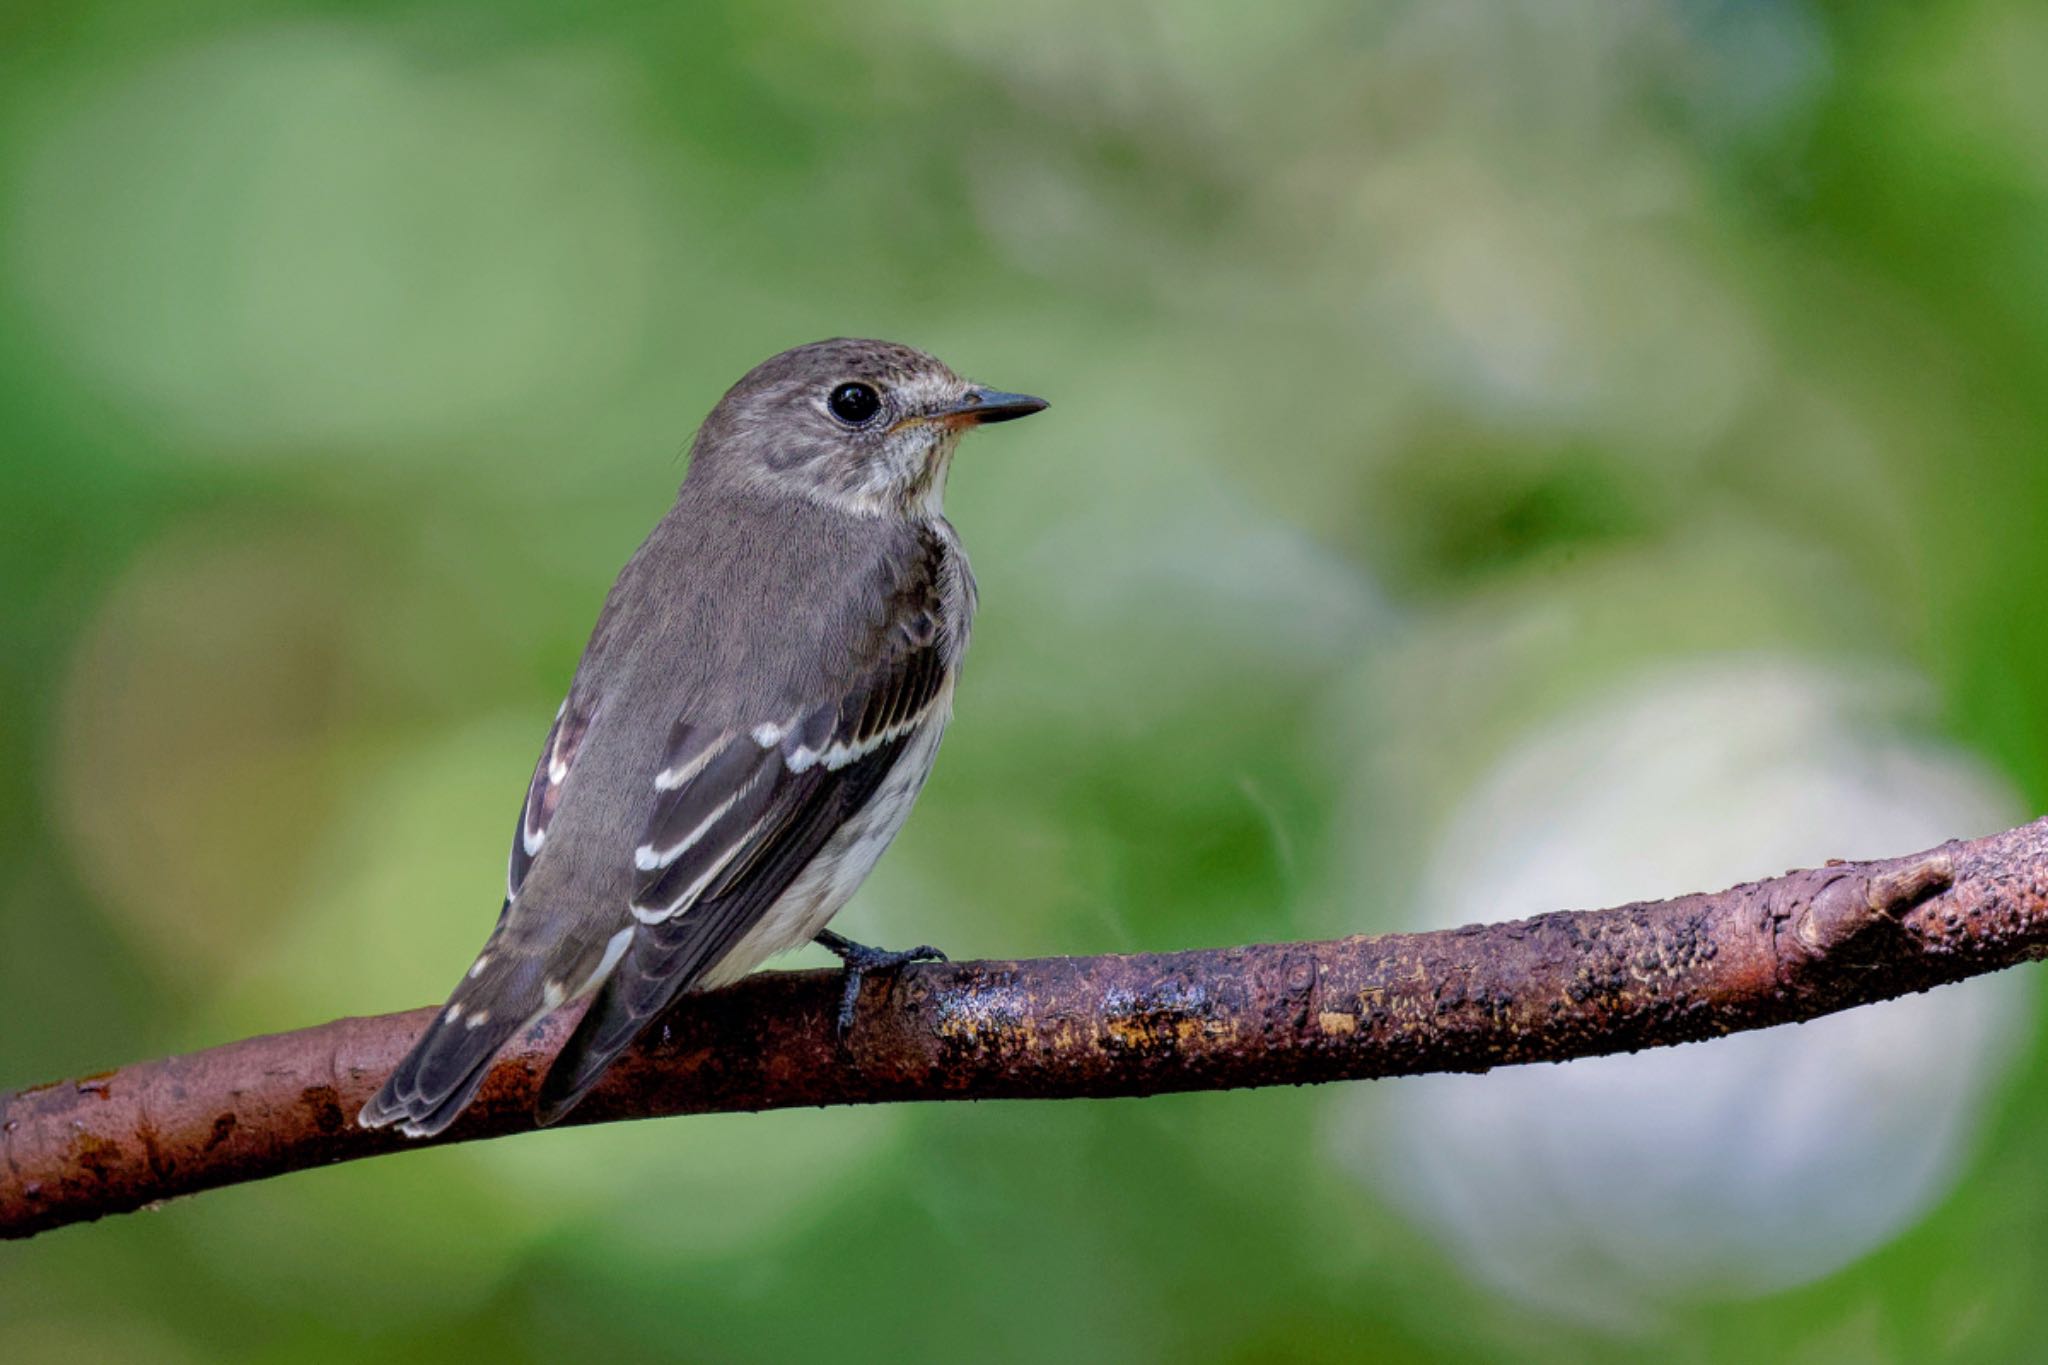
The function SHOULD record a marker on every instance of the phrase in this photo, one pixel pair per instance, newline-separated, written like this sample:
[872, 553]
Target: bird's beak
[982, 406]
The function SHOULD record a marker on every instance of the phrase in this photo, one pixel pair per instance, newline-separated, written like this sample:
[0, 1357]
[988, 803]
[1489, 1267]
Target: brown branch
[1562, 985]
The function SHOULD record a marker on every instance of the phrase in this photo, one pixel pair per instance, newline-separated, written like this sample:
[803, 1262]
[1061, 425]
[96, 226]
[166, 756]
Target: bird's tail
[510, 987]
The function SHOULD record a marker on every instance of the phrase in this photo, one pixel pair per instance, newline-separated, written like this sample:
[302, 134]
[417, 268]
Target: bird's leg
[860, 960]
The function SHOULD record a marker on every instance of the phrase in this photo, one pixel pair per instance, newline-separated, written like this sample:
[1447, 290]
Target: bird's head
[867, 426]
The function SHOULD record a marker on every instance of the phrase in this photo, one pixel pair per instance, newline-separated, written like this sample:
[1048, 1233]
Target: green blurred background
[1607, 437]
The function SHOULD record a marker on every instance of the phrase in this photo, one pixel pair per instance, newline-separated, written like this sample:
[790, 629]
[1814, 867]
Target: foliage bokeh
[1421, 372]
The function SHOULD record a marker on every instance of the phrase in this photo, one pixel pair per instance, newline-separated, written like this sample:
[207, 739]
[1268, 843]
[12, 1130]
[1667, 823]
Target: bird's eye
[854, 403]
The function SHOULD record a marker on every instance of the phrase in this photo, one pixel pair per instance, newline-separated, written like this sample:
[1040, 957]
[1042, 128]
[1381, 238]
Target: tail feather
[641, 978]
[505, 992]
[606, 1029]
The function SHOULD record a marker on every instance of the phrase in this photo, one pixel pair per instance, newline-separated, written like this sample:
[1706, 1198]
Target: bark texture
[1562, 985]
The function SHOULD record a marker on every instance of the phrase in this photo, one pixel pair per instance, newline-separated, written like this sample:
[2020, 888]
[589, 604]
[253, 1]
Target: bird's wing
[739, 813]
[544, 793]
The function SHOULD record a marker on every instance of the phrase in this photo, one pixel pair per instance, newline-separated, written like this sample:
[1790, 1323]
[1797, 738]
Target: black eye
[854, 403]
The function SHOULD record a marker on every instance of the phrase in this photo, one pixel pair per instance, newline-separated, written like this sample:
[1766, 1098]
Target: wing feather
[694, 818]
[544, 793]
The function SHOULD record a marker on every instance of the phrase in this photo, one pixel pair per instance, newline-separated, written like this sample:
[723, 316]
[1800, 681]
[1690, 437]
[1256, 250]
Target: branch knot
[1852, 901]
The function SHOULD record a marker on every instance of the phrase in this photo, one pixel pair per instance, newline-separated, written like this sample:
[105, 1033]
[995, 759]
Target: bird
[758, 707]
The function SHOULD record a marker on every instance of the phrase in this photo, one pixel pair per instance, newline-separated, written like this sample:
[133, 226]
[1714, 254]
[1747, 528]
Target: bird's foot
[860, 960]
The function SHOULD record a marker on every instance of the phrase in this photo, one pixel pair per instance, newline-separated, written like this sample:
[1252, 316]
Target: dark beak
[982, 406]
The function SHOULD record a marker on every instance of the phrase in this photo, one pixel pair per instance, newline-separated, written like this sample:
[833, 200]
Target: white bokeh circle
[1608, 1187]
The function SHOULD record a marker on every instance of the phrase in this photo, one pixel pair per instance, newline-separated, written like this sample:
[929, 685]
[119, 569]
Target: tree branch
[1571, 984]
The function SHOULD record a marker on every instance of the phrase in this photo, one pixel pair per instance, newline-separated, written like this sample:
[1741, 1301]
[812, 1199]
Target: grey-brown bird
[757, 709]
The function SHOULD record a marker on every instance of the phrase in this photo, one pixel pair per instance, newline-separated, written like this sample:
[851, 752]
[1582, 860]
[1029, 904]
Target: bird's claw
[861, 960]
